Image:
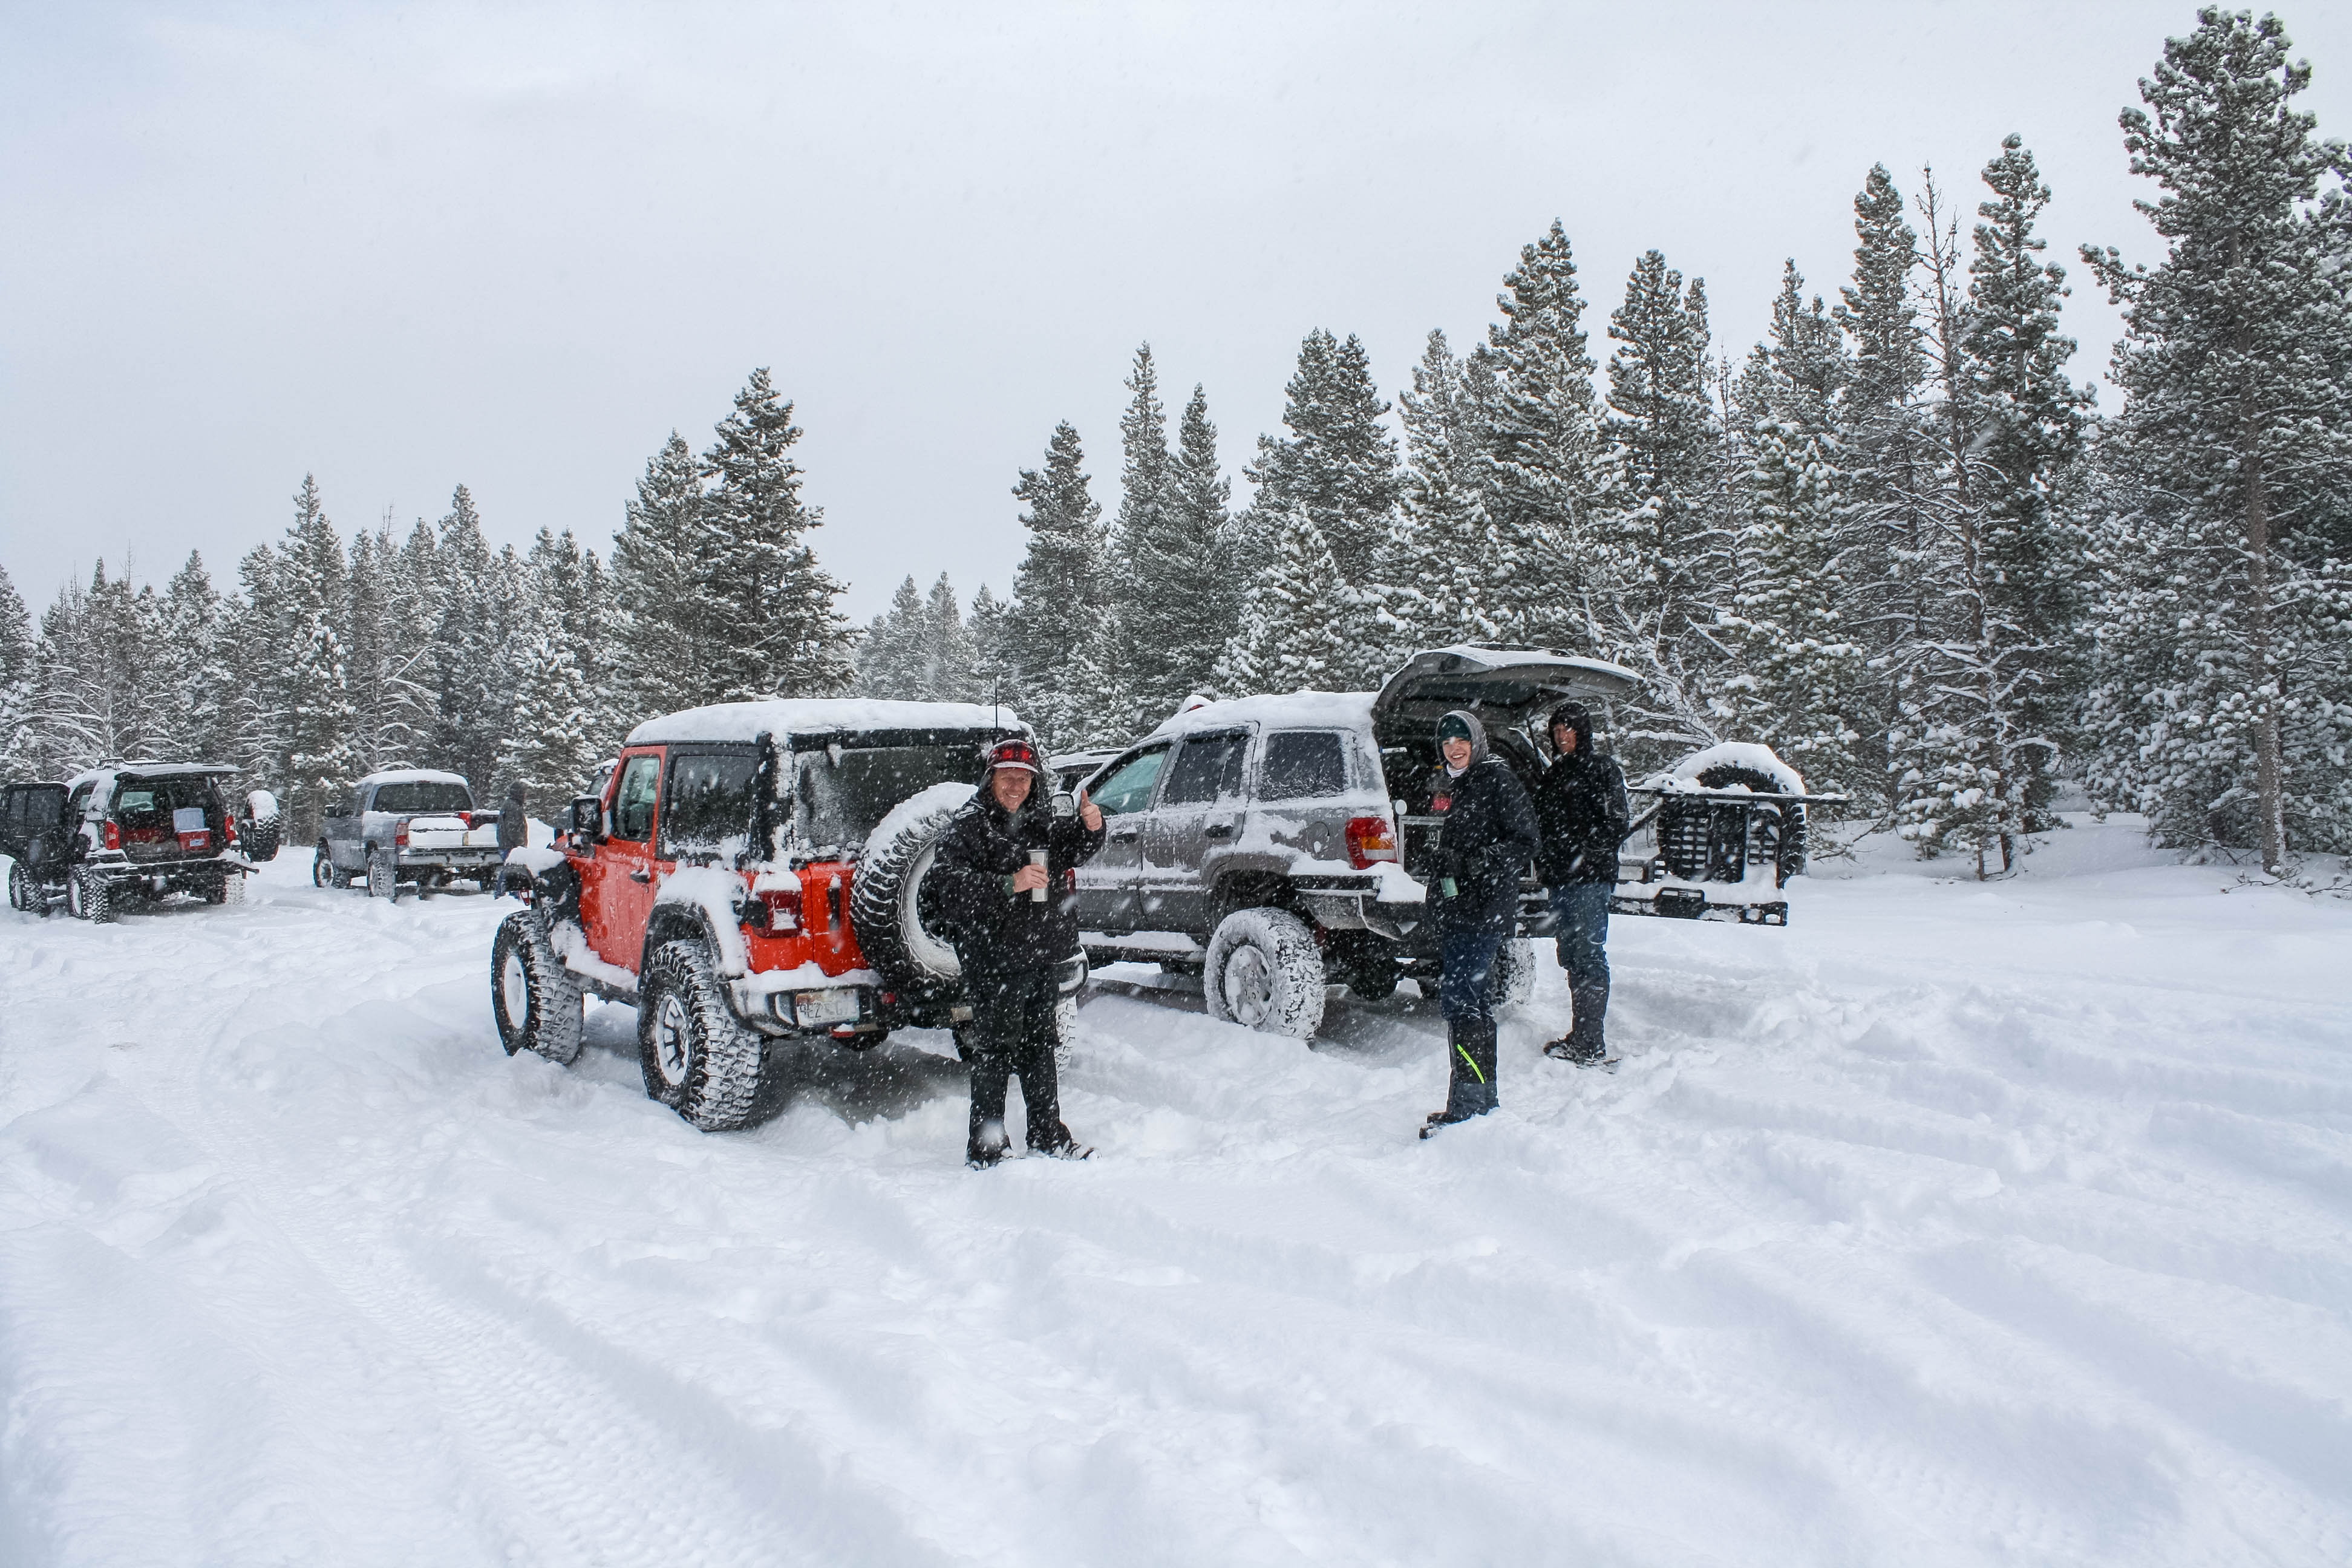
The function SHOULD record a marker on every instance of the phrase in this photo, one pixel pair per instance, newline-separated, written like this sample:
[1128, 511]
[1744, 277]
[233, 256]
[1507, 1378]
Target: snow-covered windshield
[843, 794]
[422, 796]
[709, 808]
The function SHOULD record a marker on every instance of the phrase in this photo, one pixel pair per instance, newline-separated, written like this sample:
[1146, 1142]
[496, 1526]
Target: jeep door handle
[1129, 836]
[1218, 830]
[641, 876]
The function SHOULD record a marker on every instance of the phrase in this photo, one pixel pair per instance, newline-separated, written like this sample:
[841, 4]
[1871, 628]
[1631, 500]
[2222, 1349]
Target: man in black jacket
[1488, 839]
[1005, 866]
[1581, 807]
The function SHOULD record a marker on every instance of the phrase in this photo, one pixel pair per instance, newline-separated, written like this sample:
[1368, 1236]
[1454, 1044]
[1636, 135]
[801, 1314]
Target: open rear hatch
[1505, 687]
[174, 814]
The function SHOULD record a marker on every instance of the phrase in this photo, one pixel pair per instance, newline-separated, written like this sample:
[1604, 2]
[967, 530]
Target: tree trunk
[2268, 785]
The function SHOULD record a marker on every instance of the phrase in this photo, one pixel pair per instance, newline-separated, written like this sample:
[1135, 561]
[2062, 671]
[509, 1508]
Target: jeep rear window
[709, 808]
[841, 801]
[1303, 765]
[421, 795]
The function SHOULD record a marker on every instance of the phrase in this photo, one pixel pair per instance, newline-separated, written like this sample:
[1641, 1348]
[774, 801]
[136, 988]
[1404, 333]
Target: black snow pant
[1013, 1036]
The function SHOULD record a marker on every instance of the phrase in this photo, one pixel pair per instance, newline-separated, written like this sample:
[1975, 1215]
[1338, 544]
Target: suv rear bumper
[464, 859]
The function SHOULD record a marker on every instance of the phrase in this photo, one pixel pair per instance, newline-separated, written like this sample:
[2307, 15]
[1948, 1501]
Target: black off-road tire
[89, 898]
[323, 873]
[20, 888]
[526, 976]
[1066, 1033]
[1264, 973]
[218, 892]
[260, 840]
[1789, 851]
[382, 874]
[886, 905]
[698, 1056]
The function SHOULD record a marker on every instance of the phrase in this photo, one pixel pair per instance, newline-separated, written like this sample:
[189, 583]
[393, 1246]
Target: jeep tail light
[1370, 840]
[113, 836]
[228, 830]
[783, 907]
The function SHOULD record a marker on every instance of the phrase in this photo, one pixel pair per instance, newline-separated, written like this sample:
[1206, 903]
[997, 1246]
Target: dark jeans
[1583, 912]
[1465, 980]
[1014, 1036]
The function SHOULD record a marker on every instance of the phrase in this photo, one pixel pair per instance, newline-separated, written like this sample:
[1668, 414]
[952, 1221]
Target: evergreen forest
[1895, 539]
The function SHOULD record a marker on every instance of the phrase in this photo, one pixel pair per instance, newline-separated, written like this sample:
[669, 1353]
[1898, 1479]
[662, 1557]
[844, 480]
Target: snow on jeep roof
[1339, 710]
[412, 776]
[147, 771]
[738, 722]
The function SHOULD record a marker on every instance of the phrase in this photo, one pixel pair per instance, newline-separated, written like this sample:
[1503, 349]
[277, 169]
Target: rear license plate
[813, 1008]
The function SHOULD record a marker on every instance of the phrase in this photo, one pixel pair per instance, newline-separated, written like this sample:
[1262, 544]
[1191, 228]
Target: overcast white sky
[403, 247]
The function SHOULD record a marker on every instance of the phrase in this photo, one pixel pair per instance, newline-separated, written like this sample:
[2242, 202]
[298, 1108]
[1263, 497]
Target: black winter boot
[1470, 1091]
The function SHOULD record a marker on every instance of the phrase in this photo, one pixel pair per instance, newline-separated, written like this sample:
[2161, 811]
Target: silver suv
[1269, 843]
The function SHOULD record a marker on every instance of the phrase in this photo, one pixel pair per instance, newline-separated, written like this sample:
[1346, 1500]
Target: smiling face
[1458, 752]
[1563, 739]
[1010, 786]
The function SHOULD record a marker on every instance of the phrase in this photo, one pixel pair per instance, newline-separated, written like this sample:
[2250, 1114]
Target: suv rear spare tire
[699, 1057]
[534, 998]
[1264, 973]
[885, 902]
[1788, 832]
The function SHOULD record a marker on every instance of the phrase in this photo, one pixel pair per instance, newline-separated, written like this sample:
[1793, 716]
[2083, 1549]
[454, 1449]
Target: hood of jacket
[1478, 753]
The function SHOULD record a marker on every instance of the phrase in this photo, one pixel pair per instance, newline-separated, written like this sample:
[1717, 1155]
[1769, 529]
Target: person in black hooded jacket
[999, 852]
[1488, 839]
[1582, 809]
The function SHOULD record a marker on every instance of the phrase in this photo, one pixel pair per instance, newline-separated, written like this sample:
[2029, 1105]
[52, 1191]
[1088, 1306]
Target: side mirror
[588, 818]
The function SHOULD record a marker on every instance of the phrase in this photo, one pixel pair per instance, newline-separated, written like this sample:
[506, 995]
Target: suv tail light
[228, 830]
[1370, 840]
[113, 836]
[400, 834]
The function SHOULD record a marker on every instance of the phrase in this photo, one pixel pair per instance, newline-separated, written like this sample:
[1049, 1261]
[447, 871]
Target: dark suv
[143, 830]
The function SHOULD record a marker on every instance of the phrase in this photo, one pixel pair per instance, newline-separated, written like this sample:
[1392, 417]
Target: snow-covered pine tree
[1299, 624]
[1339, 465]
[1995, 687]
[1058, 600]
[316, 714]
[993, 677]
[774, 625]
[471, 663]
[1891, 453]
[947, 647]
[891, 656]
[254, 640]
[16, 665]
[1441, 570]
[1798, 686]
[662, 643]
[1135, 579]
[553, 743]
[1542, 446]
[369, 657]
[90, 699]
[2221, 705]
[1664, 561]
[1172, 600]
[190, 682]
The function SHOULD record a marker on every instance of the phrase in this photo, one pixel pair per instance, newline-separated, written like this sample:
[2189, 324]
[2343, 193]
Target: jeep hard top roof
[113, 771]
[787, 717]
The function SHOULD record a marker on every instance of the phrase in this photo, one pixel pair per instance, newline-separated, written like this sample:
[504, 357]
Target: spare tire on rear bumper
[885, 903]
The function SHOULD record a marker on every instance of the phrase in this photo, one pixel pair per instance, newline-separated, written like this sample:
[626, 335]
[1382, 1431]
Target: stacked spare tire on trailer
[751, 876]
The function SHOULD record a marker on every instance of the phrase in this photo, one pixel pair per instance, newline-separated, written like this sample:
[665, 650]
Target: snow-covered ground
[1953, 1225]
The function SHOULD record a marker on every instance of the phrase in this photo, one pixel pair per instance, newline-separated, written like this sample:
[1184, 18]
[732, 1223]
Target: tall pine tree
[2222, 704]
[1055, 619]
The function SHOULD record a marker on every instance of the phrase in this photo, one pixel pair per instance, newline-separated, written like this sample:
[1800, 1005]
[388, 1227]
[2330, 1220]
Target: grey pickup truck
[407, 826]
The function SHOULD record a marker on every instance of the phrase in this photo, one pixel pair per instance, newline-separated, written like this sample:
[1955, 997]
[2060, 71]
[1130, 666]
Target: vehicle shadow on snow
[888, 1082]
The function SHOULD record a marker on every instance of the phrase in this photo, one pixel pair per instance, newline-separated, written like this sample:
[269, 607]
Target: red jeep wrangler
[752, 873]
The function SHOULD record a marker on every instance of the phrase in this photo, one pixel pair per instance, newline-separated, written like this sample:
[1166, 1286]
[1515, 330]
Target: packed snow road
[1953, 1225]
